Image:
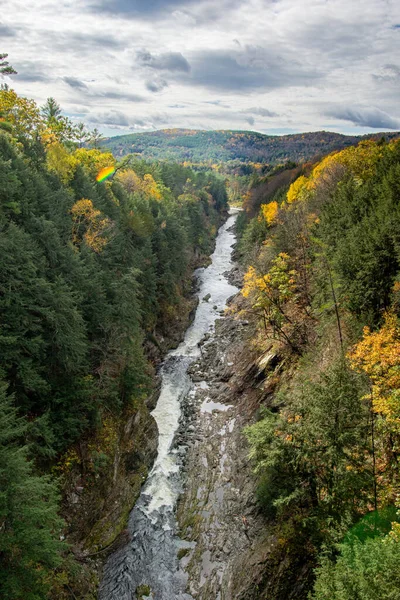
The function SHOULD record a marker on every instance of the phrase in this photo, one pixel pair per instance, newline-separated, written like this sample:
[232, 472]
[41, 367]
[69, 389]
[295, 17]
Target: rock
[207, 298]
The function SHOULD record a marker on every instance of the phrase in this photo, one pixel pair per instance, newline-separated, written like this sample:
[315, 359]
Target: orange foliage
[94, 225]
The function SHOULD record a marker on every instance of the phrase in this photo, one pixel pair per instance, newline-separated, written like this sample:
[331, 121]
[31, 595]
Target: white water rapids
[150, 558]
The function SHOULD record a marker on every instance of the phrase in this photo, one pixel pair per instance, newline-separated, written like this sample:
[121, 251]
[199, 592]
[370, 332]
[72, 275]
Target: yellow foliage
[133, 183]
[106, 440]
[362, 159]
[395, 532]
[129, 181]
[61, 161]
[270, 212]
[250, 282]
[297, 190]
[90, 221]
[150, 187]
[359, 160]
[48, 137]
[378, 356]
[67, 461]
[278, 281]
[94, 160]
[23, 114]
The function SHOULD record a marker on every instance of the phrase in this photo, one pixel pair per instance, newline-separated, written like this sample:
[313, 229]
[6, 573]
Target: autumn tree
[270, 212]
[89, 225]
[22, 114]
[273, 298]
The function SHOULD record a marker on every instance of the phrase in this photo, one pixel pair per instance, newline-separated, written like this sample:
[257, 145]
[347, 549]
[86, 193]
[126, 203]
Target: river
[150, 558]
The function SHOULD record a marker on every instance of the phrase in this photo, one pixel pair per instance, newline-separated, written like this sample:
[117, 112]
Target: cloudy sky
[275, 66]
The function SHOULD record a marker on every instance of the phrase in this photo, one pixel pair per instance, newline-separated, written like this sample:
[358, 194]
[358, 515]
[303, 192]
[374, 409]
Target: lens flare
[105, 173]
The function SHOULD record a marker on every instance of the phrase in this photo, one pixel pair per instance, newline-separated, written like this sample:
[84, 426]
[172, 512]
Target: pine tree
[5, 67]
[30, 545]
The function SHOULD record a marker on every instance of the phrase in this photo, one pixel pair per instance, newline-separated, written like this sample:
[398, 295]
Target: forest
[224, 146]
[322, 258]
[93, 274]
[99, 240]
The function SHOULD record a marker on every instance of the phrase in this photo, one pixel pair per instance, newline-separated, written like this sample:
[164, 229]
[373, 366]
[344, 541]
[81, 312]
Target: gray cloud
[139, 8]
[119, 96]
[168, 61]
[388, 73]
[261, 112]
[251, 68]
[29, 72]
[365, 117]
[114, 117]
[191, 11]
[156, 85]
[250, 120]
[340, 55]
[120, 120]
[79, 85]
[94, 40]
[75, 83]
[80, 44]
[217, 103]
[6, 31]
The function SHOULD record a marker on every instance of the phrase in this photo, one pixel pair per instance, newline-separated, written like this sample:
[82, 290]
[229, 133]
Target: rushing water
[150, 558]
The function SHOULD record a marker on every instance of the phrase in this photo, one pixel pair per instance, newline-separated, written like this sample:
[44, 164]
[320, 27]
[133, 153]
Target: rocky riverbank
[233, 551]
[217, 511]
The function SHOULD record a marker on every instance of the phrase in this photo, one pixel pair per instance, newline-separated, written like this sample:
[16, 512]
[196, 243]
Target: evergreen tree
[29, 526]
[5, 67]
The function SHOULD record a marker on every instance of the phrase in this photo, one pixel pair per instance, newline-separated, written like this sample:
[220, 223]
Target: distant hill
[219, 146]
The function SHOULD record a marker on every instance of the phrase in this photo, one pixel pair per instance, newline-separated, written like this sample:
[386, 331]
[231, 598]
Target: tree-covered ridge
[221, 146]
[89, 272]
[322, 282]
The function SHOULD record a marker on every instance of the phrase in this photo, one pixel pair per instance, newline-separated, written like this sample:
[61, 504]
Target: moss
[106, 531]
[182, 552]
[142, 590]
[189, 521]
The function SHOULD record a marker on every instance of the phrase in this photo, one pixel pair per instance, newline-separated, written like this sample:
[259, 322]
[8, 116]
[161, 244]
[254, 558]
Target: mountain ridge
[197, 146]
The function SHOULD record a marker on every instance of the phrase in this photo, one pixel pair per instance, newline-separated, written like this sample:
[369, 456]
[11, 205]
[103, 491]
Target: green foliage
[373, 524]
[5, 67]
[313, 455]
[29, 542]
[214, 146]
[363, 571]
[87, 271]
[327, 452]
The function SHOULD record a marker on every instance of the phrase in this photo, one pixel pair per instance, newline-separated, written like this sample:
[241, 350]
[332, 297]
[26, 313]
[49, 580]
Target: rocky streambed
[148, 564]
[217, 512]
